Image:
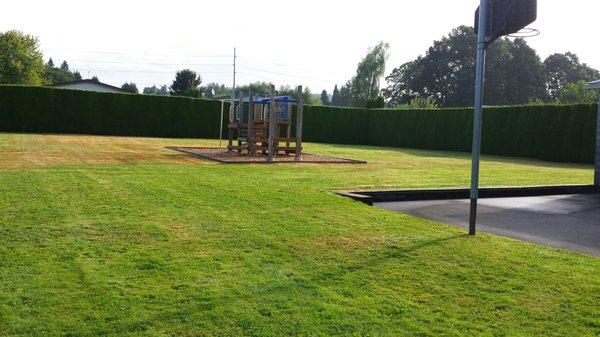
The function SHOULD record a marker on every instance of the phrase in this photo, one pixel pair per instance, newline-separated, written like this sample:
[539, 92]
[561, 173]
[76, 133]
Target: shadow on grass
[433, 153]
[395, 252]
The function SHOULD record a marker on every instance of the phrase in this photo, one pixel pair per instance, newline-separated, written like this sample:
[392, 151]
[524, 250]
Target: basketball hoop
[506, 17]
[525, 33]
[497, 18]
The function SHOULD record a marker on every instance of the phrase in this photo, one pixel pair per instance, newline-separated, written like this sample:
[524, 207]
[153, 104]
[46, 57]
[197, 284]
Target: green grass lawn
[119, 236]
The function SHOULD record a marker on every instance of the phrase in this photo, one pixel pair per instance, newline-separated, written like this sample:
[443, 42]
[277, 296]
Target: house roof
[90, 81]
[593, 85]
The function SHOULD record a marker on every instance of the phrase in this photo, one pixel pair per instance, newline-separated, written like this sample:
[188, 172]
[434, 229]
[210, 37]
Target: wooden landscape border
[252, 160]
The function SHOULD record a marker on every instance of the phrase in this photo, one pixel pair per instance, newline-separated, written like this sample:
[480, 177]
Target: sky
[314, 43]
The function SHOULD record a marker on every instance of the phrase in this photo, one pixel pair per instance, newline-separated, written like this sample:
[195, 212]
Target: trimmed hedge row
[49, 110]
[563, 133]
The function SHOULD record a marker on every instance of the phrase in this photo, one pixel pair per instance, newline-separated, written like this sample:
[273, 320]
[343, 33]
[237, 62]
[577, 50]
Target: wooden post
[288, 133]
[221, 124]
[239, 122]
[250, 123]
[272, 113]
[299, 113]
[597, 170]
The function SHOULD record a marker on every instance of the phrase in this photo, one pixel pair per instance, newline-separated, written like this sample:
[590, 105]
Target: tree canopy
[561, 69]
[154, 90]
[130, 87]
[325, 97]
[577, 93]
[514, 73]
[364, 87]
[54, 75]
[365, 84]
[219, 90]
[21, 61]
[186, 83]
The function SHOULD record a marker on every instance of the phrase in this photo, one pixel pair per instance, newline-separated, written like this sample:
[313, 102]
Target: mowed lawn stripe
[194, 249]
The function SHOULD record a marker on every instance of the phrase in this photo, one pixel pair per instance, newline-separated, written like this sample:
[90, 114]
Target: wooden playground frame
[255, 125]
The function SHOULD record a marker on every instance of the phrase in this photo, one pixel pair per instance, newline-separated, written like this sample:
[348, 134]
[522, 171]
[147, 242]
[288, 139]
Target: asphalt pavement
[564, 221]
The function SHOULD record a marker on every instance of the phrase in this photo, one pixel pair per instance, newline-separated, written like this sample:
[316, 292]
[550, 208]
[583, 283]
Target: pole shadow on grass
[395, 252]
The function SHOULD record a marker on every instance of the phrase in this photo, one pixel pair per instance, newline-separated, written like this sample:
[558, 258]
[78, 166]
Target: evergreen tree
[325, 97]
[150, 90]
[130, 87]
[154, 90]
[346, 97]
[258, 88]
[163, 91]
[335, 97]
[95, 78]
[219, 90]
[54, 75]
[186, 83]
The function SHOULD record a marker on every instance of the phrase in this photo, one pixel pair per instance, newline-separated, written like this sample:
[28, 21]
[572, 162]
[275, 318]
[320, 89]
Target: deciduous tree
[574, 93]
[446, 73]
[562, 69]
[21, 61]
[365, 84]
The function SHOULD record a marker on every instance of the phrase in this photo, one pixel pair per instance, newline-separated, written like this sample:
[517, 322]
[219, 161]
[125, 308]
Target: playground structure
[263, 126]
[259, 131]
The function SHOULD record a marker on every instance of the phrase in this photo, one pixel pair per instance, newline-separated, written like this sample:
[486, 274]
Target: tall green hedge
[550, 132]
[564, 133]
[49, 110]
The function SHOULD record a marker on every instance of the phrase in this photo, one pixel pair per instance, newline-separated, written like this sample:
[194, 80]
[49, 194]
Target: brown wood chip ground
[222, 156]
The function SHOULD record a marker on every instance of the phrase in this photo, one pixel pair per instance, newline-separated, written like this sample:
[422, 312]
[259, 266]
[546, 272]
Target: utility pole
[234, 57]
[477, 117]
[231, 106]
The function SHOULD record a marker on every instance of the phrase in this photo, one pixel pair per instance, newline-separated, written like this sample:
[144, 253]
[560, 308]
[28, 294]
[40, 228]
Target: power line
[280, 64]
[154, 63]
[260, 70]
[147, 71]
[288, 75]
[145, 54]
[255, 76]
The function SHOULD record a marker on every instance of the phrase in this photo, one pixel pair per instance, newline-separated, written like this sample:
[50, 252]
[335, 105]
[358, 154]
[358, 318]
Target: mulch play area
[222, 156]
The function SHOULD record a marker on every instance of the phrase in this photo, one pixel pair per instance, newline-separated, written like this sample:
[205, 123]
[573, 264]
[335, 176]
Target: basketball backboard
[507, 17]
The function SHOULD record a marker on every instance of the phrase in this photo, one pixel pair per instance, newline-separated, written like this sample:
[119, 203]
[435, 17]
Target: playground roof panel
[263, 100]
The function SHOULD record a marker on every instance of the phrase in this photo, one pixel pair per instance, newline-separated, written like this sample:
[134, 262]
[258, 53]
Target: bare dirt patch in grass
[29, 151]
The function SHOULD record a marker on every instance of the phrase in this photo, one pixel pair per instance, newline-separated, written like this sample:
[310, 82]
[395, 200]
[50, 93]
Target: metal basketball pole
[477, 117]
